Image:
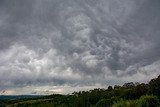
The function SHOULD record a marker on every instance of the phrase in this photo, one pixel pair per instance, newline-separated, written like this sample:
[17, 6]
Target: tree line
[129, 95]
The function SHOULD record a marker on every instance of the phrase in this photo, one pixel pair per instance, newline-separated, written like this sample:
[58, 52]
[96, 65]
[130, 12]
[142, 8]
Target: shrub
[122, 103]
[148, 101]
[104, 103]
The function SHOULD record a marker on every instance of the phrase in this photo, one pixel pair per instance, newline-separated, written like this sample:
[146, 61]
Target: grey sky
[50, 45]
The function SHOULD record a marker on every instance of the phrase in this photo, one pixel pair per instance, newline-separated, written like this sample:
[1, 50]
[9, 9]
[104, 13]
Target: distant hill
[18, 96]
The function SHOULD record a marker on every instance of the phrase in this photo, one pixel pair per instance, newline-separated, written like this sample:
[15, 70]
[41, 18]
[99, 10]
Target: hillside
[128, 95]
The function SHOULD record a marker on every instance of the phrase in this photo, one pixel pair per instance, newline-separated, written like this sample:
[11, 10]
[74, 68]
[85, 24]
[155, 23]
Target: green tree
[148, 101]
[104, 103]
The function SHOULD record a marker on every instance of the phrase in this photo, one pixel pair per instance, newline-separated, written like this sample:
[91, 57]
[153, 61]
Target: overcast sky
[61, 46]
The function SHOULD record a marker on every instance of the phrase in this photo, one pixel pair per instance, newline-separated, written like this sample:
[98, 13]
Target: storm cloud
[77, 43]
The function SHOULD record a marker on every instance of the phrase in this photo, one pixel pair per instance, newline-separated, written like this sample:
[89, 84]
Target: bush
[144, 101]
[104, 103]
[148, 101]
[122, 103]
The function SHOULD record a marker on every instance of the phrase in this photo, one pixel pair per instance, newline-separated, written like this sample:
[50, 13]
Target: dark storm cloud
[78, 42]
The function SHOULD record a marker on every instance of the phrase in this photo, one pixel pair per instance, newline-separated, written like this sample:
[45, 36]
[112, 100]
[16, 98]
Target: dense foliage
[128, 95]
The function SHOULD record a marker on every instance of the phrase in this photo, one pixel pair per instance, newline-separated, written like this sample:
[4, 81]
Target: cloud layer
[77, 43]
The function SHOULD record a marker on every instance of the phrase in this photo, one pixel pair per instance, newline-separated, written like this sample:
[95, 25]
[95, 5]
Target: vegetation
[144, 101]
[128, 95]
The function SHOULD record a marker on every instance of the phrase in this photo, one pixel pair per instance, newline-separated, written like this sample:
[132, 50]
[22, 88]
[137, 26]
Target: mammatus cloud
[47, 46]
